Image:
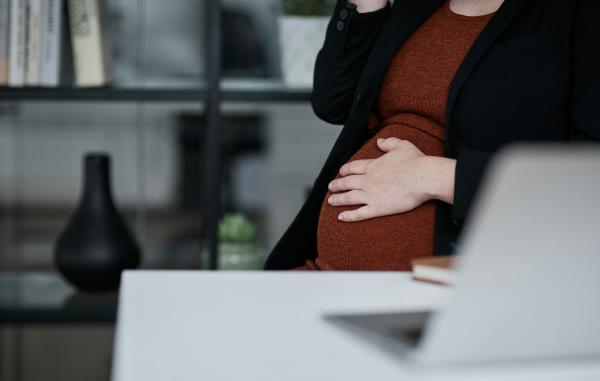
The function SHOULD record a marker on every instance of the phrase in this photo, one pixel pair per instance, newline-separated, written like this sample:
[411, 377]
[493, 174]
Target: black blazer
[533, 74]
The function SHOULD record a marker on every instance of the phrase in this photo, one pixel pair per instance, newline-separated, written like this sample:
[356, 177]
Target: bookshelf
[212, 93]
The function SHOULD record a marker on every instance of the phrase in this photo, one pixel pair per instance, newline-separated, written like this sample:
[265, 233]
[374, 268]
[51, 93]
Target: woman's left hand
[397, 182]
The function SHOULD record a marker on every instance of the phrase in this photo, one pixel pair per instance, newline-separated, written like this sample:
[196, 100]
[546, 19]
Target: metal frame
[212, 152]
[229, 93]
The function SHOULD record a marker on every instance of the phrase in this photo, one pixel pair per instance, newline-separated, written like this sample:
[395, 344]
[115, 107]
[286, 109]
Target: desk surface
[268, 326]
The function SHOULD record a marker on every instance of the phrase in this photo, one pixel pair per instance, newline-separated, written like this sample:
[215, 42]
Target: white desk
[192, 325]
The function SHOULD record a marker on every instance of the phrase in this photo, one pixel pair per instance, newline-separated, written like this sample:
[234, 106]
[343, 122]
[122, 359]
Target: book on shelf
[439, 270]
[17, 43]
[33, 10]
[51, 28]
[36, 50]
[4, 25]
[89, 45]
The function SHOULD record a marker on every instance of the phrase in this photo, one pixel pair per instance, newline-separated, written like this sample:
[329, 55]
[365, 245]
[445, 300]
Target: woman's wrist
[364, 6]
[439, 178]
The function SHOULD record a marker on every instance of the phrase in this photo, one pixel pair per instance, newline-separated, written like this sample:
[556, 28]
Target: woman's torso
[411, 106]
[529, 79]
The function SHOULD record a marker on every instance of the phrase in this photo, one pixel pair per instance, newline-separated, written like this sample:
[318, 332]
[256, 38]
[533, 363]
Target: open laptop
[528, 284]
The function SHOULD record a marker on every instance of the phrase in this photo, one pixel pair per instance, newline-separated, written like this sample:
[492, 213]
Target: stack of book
[438, 270]
[34, 43]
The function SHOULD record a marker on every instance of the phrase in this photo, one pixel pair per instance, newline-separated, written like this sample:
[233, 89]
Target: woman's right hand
[364, 6]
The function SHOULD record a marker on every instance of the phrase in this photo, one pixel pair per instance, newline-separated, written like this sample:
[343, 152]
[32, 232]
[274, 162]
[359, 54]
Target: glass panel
[157, 43]
[155, 165]
[271, 183]
[155, 154]
[250, 47]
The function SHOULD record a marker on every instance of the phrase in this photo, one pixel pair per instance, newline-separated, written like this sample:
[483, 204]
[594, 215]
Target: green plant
[235, 227]
[307, 7]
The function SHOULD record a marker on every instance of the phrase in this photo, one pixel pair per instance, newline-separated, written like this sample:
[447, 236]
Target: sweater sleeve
[340, 61]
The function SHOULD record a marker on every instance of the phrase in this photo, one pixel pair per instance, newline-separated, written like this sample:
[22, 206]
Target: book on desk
[439, 270]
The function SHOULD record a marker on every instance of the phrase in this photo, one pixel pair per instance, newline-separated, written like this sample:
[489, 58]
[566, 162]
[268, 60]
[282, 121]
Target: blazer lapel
[488, 36]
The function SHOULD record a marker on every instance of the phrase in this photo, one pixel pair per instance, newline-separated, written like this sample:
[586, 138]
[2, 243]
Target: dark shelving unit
[212, 94]
[255, 91]
[262, 91]
[41, 298]
[101, 94]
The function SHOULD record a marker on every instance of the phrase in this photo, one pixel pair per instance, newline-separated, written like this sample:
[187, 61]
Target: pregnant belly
[384, 243]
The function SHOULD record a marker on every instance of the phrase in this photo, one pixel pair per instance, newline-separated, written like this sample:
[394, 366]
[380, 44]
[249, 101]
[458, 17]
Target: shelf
[263, 91]
[105, 94]
[232, 91]
[45, 298]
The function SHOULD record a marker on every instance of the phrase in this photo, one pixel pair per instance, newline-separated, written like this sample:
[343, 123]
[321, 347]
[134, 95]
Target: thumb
[389, 144]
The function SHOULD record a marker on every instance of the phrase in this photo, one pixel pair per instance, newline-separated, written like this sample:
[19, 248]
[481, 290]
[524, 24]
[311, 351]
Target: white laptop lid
[529, 275]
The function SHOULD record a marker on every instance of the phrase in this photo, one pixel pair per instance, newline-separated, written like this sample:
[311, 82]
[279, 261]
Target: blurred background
[150, 117]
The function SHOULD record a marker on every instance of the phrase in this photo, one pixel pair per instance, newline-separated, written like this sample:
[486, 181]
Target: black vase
[96, 244]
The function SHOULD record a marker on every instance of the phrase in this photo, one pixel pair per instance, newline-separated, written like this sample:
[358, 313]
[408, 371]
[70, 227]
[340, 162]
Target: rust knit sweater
[411, 106]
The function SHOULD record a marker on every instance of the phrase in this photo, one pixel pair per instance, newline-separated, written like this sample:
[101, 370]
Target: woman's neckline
[449, 12]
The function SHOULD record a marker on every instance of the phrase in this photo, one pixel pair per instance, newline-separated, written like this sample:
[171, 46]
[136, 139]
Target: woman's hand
[397, 182]
[363, 6]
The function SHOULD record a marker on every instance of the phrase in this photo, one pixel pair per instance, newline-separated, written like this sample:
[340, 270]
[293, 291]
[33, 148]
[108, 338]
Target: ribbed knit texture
[412, 106]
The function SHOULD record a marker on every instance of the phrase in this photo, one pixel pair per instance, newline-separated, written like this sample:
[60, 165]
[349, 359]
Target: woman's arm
[439, 178]
[339, 64]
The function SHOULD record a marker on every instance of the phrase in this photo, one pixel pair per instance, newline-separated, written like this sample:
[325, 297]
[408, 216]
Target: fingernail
[330, 186]
[341, 217]
[330, 200]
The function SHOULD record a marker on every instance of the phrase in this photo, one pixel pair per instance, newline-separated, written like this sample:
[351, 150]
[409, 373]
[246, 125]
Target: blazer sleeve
[340, 61]
[586, 75]
[585, 118]
[470, 168]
